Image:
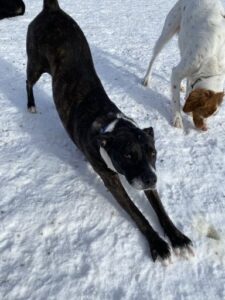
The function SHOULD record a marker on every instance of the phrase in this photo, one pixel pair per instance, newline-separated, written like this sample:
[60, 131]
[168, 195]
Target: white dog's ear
[149, 131]
[196, 99]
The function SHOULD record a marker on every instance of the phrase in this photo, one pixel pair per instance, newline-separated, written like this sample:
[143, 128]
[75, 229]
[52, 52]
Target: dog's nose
[149, 180]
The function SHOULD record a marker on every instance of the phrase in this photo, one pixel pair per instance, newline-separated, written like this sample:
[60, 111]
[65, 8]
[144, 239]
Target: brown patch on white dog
[202, 104]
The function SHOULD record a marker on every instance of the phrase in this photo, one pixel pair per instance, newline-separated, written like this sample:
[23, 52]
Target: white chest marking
[107, 159]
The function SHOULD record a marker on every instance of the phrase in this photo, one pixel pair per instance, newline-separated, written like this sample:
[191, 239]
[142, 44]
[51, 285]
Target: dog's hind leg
[178, 240]
[171, 26]
[33, 74]
[158, 247]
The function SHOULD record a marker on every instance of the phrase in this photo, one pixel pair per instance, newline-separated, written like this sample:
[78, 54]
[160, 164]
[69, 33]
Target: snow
[62, 235]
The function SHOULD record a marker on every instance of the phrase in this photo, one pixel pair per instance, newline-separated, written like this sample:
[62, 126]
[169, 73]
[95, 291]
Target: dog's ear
[197, 99]
[219, 97]
[211, 105]
[198, 121]
[104, 140]
[149, 131]
[207, 110]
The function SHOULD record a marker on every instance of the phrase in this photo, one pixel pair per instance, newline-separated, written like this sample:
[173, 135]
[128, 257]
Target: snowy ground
[62, 235]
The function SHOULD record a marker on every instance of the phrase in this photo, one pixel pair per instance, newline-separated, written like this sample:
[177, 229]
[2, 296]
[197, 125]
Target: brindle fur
[56, 44]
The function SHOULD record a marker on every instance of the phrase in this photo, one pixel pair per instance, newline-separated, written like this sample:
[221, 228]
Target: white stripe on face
[137, 184]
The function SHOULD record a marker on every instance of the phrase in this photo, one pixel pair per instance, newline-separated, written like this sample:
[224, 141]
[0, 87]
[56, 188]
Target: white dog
[200, 25]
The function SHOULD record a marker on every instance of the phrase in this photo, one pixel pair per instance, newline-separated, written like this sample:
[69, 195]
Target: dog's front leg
[178, 240]
[158, 247]
[188, 88]
[175, 90]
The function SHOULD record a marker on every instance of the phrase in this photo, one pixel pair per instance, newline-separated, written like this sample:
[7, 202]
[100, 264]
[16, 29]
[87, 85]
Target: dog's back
[58, 46]
[202, 23]
[57, 37]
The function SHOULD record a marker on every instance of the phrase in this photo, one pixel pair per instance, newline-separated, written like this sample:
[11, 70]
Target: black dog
[111, 142]
[11, 8]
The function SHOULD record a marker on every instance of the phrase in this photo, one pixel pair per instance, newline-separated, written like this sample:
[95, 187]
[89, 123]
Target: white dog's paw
[178, 122]
[146, 81]
[182, 88]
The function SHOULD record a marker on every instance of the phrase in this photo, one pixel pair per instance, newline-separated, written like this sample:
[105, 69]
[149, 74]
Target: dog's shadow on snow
[116, 75]
[45, 124]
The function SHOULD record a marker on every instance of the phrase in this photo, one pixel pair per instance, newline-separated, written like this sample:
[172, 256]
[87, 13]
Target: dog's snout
[149, 179]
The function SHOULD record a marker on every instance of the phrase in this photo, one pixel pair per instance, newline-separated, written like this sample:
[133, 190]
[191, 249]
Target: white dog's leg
[180, 72]
[171, 26]
[183, 70]
[175, 87]
[188, 88]
[148, 75]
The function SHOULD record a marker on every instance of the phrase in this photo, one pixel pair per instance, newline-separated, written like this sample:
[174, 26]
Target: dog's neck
[214, 83]
[110, 128]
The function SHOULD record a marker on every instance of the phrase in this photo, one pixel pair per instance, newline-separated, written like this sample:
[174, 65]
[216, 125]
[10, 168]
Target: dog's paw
[32, 109]
[178, 122]
[182, 88]
[160, 251]
[146, 81]
[182, 245]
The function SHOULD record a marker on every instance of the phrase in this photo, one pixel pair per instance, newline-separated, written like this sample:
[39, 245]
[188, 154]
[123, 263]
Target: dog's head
[131, 152]
[202, 104]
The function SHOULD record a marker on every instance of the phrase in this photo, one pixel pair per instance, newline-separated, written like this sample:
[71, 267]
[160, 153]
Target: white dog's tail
[170, 28]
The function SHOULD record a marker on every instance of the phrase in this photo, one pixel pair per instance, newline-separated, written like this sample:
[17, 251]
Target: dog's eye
[127, 156]
[153, 153]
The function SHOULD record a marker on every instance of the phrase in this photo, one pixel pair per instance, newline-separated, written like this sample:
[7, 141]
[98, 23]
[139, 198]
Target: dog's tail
[170, 28]
[51, 5]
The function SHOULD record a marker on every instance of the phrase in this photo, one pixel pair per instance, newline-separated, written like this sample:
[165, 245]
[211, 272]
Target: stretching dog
[111, 142]
[201, 29]
[11, 8]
